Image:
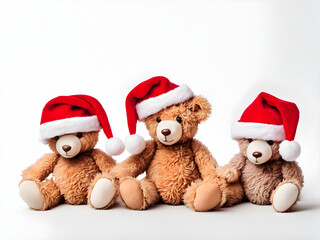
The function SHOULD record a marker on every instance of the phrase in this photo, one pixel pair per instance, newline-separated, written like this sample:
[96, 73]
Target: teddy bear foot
[131, 194]
[285, 197]
[208, 196]
[30, 193]
[102, 193]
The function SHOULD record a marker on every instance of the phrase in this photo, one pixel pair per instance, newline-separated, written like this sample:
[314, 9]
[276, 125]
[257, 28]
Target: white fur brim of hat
[156, 104]
[69, 125]
[289, 150]
[258, 131]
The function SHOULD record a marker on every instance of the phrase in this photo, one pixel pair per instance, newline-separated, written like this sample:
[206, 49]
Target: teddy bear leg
[285, 196]
[202, 196]
[40, 195]
[102, 192]
[233, 193]
[138, 195]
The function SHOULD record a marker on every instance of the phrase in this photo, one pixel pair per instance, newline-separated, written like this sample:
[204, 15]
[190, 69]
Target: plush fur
[260, 182]
[174, 173]
[74, 177]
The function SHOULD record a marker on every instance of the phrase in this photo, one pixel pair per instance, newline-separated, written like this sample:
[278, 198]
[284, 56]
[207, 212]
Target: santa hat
[77, 113]
[150, 97]
[270, 118]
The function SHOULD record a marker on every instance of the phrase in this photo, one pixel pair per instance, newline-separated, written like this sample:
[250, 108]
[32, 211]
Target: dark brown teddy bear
[266, 163]
[178, 167]
[70, 125]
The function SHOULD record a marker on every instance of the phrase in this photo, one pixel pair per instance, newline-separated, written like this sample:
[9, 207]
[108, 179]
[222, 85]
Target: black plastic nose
[66, 148]
[257, 154]
[166, 132]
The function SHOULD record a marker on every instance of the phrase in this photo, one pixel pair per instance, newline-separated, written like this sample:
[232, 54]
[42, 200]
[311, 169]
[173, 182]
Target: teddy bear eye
[56, 138]
[250, 140]
[270, 142]
[79, 135]
[158, 119]
[179, 120]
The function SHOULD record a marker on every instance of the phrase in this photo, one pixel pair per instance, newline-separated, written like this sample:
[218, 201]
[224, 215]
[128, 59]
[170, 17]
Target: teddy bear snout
[166, 132]
[257, 154]
[169, 132]
[66, 148]
[259, 151]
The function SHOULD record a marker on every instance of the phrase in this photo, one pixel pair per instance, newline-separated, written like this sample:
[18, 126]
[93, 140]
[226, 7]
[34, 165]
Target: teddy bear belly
[73, 177]
[172, 179]
[258, 184]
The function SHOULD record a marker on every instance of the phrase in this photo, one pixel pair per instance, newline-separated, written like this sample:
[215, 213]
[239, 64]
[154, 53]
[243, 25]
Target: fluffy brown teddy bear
[265, 164]
[178, 167]
[70, 125]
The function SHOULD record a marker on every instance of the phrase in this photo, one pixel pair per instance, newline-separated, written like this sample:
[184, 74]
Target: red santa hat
[270, 118]
[77, 113]
[148, 98]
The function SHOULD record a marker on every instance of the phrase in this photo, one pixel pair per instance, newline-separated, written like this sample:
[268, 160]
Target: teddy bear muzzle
[259, 152]
[169, 132]
[68, 146]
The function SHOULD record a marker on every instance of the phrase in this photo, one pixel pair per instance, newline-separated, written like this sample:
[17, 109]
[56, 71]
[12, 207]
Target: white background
[227, 51]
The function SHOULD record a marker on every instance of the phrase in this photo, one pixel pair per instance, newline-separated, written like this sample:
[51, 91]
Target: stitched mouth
[165, 140]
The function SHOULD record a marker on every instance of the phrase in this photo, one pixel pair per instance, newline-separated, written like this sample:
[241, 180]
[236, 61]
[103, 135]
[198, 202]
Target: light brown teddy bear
[266, 163]
[70, 125]
[178, 167]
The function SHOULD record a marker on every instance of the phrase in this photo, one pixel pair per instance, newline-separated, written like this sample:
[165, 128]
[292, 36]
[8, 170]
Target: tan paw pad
[131, 194]
[208, 196]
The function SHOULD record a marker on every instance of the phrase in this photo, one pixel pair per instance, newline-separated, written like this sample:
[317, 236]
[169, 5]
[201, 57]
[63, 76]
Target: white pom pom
[114, 146]
[134, 144]
[289, 150]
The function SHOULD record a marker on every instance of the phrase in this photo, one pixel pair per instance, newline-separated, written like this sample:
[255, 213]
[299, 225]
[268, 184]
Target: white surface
[227, 51]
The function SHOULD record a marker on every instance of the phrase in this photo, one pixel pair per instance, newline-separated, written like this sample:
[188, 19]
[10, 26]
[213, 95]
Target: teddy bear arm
[231, 172]
[42, 168]
[237, 162]
[292, 171]
[135, 164]
[206, 163]
[103, 160]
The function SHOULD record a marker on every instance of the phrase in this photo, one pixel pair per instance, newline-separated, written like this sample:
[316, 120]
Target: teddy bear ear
[200, 107]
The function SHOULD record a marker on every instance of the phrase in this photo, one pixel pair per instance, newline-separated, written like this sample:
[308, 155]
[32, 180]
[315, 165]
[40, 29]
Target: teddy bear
[266, 165]
[179, 169]
[70, 125]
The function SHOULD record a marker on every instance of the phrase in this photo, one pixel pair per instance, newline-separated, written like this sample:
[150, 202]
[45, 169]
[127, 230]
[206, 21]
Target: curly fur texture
[73, 177]
[173, 172]
[260, 182]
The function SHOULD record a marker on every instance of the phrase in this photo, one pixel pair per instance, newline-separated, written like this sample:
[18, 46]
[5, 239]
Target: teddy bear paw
[208, 196]
[30, 193]
[285, 197]
[131, 194]
[102, 193]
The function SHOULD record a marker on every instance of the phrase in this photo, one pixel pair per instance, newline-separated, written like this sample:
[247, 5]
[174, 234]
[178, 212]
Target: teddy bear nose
[165, 132]
[66, 148]
[257, 154]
